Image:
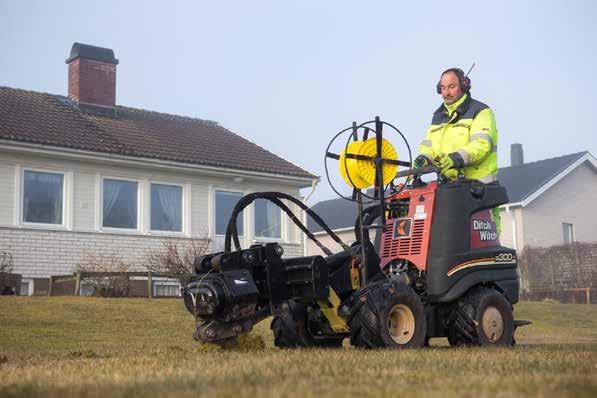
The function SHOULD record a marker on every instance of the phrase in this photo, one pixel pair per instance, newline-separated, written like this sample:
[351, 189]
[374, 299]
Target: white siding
[347, 237]
[507, 235]
[7, 193]
[84, 196]
[512, 228]
[42, 252]
[200, 210]
[571, 200]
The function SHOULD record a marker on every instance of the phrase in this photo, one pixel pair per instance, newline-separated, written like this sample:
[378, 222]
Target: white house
[80, 175]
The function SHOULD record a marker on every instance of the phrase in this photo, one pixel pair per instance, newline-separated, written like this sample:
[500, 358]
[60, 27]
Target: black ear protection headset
[465, 82]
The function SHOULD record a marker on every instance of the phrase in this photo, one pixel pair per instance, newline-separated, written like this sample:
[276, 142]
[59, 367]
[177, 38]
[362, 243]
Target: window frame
[184, 210]
[165, 283]
[215, 214]
[66, 198]
[283, 227]
[102, 228]
[30, 289]
[295, 237]
[83, 290]
[572, 234]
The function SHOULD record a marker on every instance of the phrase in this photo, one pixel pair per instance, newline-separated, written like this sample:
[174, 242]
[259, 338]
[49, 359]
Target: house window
[26, 287]
[86, 289]
[166, 289]
[225, 202]
[568, 231]
[267, 220]
[166, 208]
[43, 197]
[120, 203]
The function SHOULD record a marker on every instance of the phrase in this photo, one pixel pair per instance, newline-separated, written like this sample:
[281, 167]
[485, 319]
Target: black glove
[421, 161]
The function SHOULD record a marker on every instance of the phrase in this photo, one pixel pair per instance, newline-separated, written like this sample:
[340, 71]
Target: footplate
[521, 322]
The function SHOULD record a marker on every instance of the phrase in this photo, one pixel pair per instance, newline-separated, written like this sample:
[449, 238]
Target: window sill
[121, 231]
[293, 243]
[269, 240]
[173, 234]
[136, 232]
[46, 227]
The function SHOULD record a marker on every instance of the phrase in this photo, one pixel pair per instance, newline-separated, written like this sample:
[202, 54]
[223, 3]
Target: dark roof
[336, 213]
[520, 182]
[54, 120]
[79, 50]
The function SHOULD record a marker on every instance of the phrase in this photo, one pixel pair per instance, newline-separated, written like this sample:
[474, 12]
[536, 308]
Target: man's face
[451, 91]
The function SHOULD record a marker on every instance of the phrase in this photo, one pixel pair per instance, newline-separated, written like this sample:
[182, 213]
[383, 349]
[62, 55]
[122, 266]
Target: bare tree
[537, 268]
[108, 285]
[6, 262]
[9, 283]
[177, 258]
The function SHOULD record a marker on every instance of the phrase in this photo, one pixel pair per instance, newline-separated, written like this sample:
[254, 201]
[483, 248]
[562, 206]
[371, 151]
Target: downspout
[514, 232]
[304, 215]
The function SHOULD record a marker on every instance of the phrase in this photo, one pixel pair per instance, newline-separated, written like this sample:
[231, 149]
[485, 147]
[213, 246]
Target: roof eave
[18, 146]
[554, 180]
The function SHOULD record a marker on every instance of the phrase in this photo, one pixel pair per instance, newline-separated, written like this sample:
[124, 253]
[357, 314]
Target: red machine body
[409, 237]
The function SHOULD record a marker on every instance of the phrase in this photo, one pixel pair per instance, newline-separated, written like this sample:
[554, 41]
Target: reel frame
[379, 187]
[378, 161]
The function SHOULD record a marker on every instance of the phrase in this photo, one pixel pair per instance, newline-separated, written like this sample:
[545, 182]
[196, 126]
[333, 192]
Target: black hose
[362, 232]
[274, 197]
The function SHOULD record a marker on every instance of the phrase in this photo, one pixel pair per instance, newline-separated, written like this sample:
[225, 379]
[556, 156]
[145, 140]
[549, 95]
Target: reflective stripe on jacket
[470, 130]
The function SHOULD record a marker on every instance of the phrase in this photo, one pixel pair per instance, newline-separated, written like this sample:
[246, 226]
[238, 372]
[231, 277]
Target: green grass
[90, 347]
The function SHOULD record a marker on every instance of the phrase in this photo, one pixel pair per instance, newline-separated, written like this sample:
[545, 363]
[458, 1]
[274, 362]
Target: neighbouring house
[81, 175]
[552, 202]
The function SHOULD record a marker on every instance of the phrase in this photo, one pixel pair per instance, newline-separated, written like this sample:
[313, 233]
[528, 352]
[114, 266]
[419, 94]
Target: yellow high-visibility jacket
[467, 127]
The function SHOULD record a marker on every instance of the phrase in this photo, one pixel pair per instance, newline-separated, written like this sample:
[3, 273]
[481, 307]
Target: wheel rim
[493, 324]
[401, 324]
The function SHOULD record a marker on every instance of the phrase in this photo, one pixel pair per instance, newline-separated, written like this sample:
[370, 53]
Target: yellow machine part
[329, 308]
[362, 172]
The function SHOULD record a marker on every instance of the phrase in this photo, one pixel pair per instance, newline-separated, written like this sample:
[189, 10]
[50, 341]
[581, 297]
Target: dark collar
[461, 110]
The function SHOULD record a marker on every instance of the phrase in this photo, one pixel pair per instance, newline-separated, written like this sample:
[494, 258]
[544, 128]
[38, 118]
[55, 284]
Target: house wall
[571, 200]
[347, 237]
[512, 227]
[39, 251]
[507, 235]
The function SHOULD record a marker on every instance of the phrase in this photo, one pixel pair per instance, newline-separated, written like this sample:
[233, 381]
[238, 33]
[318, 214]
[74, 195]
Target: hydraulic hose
[274, 197]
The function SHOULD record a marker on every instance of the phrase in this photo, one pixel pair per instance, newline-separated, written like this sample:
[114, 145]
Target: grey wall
[572, 200]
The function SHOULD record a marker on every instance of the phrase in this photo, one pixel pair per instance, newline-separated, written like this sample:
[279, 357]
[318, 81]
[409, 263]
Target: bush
[106, 285]
[6, 262]
[177, 259]
[9, 283]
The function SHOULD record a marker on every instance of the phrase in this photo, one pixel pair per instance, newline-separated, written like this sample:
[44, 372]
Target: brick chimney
[516, 155]
[92, 78]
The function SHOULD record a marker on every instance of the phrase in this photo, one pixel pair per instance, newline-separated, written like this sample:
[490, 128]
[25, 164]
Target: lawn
[91, 347]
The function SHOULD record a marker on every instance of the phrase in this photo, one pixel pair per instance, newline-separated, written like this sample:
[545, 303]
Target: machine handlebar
[419, 171]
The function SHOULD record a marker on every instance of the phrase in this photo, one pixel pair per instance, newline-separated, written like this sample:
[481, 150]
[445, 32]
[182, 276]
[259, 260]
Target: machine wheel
[388, 315]
[483, 318]
[290, 330]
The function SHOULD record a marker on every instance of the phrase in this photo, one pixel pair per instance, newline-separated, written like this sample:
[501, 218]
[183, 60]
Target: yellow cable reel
[362, 171]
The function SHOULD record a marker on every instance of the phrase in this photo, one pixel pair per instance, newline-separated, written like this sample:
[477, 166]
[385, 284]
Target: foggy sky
[288, 75]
